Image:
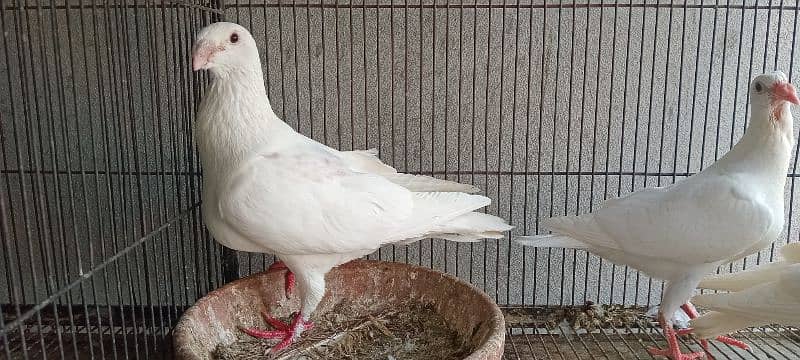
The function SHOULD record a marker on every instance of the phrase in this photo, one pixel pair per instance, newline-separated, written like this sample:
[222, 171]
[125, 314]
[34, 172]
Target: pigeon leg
[674, 350]
[278, 266]
[691, 311]
[288, 333]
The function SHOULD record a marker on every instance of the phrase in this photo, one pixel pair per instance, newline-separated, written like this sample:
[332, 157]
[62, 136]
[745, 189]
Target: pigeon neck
[765, 148]
[235, 118]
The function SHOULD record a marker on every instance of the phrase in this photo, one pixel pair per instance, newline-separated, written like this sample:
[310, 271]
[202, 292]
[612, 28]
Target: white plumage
[267, 188]
[766, 294]
[683, 231]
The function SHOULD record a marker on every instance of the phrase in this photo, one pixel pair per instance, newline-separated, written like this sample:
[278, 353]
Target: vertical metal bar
[433, 104]
[636, 131]
[647, 139]
[485, 131]
[529, 101]
[297, 65]
[377, 85]
[406, 77]
[580, 145]
[430, 241]
[310, 88]
[553, 156]
[391, 90]
[608, 141]
[539, 159]
[499, 143]
[280, 62]
[594, 140]
[513, 140]
[446, 106]
[568, 152]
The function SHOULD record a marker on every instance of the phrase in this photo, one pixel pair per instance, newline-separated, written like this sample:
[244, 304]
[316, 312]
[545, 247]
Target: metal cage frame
[540, 103]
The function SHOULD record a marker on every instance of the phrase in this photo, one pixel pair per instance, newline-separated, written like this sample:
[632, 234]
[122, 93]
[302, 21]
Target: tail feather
[716, 302]
[582, 227]
[368, 161]
[741, 280]
[451, 216]
[551, 240]
[713, 324]
[422, 183]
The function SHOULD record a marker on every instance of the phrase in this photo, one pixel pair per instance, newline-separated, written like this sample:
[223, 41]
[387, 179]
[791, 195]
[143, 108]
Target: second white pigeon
[682, 232]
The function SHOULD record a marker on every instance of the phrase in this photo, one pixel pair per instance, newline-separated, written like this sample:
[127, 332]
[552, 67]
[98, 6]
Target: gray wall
[549, 111]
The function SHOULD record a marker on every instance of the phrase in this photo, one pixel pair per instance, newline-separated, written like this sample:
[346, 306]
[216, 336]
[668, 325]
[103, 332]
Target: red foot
[674, 350]
[288, 333]
[279, 265]
[675, 355]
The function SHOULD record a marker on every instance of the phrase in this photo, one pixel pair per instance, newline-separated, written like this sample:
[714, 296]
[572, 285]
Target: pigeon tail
[472, 227]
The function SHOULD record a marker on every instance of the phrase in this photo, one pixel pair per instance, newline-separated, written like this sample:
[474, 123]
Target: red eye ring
[234, 38]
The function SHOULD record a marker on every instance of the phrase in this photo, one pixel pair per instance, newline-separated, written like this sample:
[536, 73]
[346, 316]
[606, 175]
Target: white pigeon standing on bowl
[267, 188]
[765, 294]
[681, 232]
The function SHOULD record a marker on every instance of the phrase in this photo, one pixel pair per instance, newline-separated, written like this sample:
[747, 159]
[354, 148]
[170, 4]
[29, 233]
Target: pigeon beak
[785, 91]
[201, 55]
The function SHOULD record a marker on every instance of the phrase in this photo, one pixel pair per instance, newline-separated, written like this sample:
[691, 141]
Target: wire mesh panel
[549, 107]
[102, 244]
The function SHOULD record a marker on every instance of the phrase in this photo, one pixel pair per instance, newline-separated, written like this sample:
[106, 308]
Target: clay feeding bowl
[368, 287]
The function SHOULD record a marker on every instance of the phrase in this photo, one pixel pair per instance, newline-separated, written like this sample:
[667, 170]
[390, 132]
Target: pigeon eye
[234, 38]
[758, 87]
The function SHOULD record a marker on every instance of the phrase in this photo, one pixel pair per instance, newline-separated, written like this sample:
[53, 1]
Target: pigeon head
[772, 91]
[224, 47]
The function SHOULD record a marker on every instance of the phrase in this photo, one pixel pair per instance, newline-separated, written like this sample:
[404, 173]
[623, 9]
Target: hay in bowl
[371, 310]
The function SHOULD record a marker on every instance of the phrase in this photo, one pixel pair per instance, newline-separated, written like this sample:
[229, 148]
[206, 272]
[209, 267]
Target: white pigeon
[683, 231]
[765, 294]
[267, 188]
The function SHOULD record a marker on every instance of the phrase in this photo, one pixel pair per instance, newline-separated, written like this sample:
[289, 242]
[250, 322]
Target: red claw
[288, 333]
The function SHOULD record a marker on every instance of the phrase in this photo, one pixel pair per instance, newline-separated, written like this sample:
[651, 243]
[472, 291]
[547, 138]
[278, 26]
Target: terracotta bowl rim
[487, 349]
